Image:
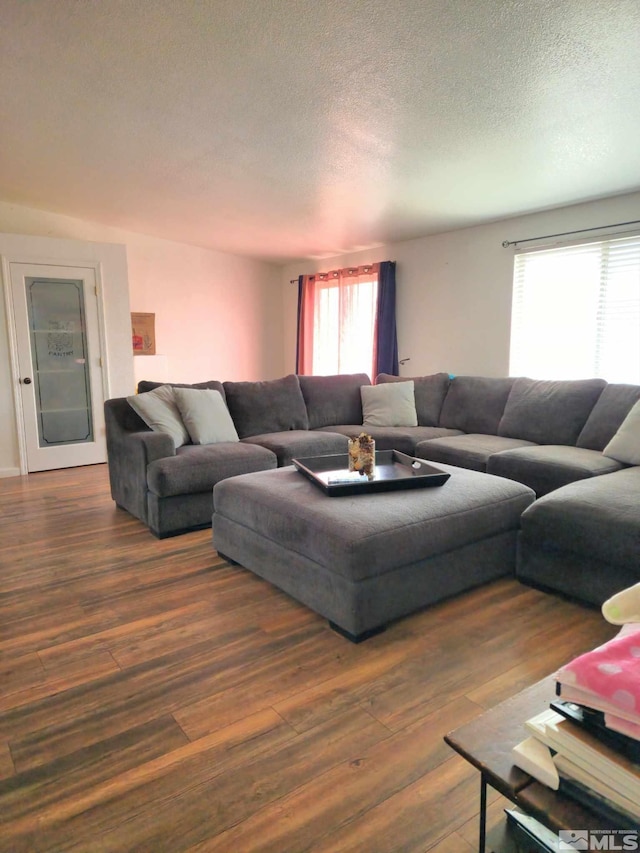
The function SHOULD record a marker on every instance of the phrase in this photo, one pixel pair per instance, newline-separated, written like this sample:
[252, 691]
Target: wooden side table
[487, 741]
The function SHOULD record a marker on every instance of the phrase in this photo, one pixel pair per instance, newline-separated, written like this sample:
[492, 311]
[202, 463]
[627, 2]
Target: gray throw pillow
[392, 404]
[205, 416]
[159, 411]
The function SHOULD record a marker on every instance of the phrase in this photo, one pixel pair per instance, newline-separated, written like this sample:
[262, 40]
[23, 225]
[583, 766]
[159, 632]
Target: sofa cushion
[197, 468]
[625, 444]
[597, 517]
[429, 393]
[212, 385]
[613, 405]
[123, 417]
[403, 439]
[550, 466]
[333, 399]
[583, 539]
[296, 444]
[467, 451]
[392, 404]
[475, 404]
[548, 411]
[159, 411]
[205, 415]
[272, 406]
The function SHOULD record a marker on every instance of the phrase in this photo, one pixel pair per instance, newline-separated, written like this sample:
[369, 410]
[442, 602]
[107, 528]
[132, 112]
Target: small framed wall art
[143, 334]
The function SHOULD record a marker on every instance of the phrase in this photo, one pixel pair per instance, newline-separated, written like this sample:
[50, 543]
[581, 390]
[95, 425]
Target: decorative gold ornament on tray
[362, 455]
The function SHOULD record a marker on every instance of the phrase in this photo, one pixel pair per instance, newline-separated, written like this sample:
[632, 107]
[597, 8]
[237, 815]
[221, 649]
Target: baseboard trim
[9, 472]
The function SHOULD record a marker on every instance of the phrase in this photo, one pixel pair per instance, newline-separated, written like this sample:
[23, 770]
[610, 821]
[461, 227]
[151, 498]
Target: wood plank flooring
[154, 698]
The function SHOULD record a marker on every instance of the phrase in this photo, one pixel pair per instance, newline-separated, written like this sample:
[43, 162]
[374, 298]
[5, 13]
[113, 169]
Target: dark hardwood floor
[154, 698]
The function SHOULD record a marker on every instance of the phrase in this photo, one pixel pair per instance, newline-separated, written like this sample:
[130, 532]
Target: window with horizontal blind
[576, 311]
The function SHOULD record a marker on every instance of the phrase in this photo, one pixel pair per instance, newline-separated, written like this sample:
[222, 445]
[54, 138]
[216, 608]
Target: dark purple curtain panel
[300, 298]
[387, 340]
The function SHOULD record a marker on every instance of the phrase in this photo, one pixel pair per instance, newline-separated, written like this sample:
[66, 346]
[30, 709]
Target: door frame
[50, 261]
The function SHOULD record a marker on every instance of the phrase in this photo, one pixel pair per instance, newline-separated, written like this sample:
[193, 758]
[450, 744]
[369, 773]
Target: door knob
[27, 381]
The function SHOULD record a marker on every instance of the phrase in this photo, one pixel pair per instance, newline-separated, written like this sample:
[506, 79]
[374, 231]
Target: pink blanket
[610, 674]
[620, 721]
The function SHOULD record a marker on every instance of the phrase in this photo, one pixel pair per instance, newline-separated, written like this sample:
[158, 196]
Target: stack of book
[587, 744]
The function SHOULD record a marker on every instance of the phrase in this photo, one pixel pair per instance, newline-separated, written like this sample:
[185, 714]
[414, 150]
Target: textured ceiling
[285, 129]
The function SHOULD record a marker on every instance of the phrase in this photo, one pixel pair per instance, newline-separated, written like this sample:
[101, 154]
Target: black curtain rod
[507, 243]
[366, 267]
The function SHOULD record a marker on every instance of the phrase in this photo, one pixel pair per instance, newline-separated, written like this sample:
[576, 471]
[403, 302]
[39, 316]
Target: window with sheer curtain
[576, 311]
[346, 321]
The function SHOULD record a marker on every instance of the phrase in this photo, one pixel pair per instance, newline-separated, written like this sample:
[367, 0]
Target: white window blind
[576, 312]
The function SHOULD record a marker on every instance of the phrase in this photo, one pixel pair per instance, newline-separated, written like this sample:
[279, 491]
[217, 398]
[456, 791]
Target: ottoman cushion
[365, 560]
[367, 535]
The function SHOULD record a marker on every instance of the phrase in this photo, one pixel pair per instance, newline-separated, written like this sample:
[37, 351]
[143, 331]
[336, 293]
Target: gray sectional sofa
[581, 537]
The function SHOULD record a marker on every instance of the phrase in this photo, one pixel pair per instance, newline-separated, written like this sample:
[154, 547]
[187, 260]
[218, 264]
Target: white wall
[217, 316]
[454, 290]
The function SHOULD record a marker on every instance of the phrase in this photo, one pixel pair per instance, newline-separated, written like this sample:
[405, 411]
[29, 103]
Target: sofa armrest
[131, 446]
[154, 445]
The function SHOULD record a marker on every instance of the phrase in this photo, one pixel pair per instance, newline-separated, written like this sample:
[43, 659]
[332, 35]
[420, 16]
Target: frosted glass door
[60, 387]
[61, 378]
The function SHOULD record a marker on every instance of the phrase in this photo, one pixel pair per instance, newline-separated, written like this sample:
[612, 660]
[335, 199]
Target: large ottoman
[364, 560]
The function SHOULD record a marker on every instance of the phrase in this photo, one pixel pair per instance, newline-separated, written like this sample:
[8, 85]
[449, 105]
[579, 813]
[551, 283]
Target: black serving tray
[393, 471]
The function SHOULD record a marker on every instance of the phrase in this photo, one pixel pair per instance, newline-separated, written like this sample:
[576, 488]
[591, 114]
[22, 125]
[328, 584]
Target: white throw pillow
[625, 444]
[205, 416]
[389, 404]
[159, 411]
